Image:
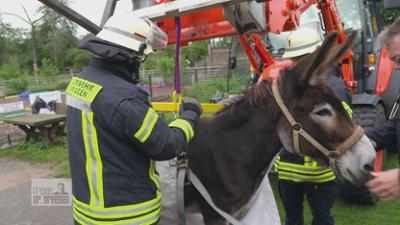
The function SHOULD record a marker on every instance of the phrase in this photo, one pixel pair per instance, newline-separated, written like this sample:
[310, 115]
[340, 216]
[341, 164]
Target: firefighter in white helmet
[297, 175]
[114, 135]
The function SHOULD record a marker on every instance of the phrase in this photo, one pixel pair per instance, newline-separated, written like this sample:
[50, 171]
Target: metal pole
[150, 86]
[196, 77]
[108, 11]
[229, 64]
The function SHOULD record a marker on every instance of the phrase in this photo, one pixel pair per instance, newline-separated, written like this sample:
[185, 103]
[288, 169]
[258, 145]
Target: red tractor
[367, 71]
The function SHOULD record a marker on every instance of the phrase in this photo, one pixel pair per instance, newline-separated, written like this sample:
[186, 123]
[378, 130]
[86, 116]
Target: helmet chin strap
[297, 131]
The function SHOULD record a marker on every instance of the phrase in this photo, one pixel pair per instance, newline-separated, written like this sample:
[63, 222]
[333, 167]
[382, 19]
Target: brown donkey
[232, 148]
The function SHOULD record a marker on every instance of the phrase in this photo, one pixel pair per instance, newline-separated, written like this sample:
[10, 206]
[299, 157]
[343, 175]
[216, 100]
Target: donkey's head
[318, 111]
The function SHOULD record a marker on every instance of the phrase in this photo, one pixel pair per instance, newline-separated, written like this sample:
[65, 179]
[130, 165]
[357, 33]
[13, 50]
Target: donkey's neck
[232, 149]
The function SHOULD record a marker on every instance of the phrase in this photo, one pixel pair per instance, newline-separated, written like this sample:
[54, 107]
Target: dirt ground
[15, 196]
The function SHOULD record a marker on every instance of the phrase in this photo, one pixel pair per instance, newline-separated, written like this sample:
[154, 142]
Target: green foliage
[166, 66]
[11, 69]
[196, 51]
[77, 58]
[205, 91]
[222, 42]
[61, 85]
[47, 68]
[55, 35]
[164, 61]
[16, 86]
[388, 15]
[12, 43]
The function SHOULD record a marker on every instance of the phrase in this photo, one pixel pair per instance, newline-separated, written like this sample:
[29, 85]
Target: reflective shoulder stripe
[147, 125]
[83, 89]
[185, 126]
[77, 103]
[347, 108]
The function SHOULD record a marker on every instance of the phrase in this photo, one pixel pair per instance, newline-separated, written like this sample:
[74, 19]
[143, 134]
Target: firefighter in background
[114, 135]
[300, 175]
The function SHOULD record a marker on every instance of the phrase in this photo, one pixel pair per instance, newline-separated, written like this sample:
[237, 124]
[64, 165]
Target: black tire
[365, 116]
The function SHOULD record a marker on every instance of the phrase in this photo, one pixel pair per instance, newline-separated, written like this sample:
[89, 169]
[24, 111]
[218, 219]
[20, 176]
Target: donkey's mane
[254, 96]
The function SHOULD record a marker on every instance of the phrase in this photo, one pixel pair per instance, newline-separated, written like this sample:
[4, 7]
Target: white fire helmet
[302, 41]
[130, 31]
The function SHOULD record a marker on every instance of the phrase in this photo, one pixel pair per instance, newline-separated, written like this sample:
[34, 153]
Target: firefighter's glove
[191, 104]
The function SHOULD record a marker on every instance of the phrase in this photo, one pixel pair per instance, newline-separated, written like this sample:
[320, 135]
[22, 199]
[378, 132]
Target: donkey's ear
[314, 67]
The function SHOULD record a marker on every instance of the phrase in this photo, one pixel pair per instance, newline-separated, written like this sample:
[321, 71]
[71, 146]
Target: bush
[10, 70]
[48, 68]
[205, 91]
[77, 58]
[62, 85]
[16, 86]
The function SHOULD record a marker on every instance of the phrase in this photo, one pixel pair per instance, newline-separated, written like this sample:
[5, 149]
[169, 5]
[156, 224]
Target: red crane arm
[332, 22]
[281, 15]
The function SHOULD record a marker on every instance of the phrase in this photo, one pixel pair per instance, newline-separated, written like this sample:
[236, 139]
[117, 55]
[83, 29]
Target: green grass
[32, 152]
[382, 213]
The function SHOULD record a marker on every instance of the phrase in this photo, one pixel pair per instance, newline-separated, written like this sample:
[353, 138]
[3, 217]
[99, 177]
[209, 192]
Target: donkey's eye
[324, 112]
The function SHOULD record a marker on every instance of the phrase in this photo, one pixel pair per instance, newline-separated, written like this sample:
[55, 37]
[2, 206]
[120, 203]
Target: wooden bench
[48, 126]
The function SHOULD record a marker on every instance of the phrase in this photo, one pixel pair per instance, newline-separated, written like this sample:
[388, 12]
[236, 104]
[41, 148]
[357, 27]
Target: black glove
[191, 104]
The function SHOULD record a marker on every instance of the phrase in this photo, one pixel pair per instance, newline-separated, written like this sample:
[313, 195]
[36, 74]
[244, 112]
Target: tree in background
[196, 51]
[164, 61]
[76, 58]
[56, 34]
[33, 23]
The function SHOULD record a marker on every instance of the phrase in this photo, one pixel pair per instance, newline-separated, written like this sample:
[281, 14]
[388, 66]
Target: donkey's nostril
[369, 167]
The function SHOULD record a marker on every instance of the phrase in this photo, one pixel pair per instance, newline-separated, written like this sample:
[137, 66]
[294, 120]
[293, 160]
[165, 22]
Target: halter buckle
[297, 127]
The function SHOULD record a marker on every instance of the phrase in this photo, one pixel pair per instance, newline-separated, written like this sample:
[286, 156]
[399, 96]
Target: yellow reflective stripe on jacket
[309, 162]
[282, 175]
[347, 108]
[146, 219]
[307, 172]
[118, 212]
[83, 89]
[185, 126]
[153, 176]
[94, 165]
[147, 125]
[300, 169]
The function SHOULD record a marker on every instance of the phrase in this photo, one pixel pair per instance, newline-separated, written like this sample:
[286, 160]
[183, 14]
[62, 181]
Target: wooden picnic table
[48, 126]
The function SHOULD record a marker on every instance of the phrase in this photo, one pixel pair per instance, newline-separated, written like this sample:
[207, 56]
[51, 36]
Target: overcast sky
[91, 9]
